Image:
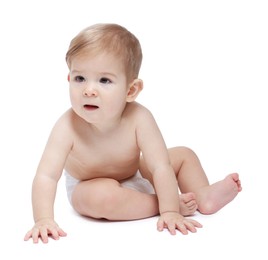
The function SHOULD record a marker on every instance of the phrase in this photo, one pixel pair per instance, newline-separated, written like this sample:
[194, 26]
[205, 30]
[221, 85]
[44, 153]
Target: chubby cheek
[74, 99]
[76, 107]
[116, 105]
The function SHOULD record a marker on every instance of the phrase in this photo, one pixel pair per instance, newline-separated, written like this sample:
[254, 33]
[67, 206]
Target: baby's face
[98, 87]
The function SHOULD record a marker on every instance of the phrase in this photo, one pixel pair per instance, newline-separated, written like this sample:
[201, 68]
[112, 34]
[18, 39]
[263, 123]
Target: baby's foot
[188, 204]
[213, 197]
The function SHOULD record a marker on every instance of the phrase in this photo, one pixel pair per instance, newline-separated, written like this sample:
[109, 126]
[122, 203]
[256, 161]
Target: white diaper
[137, 182]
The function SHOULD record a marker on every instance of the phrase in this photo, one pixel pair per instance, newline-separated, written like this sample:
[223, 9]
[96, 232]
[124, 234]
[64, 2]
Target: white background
[205, 77]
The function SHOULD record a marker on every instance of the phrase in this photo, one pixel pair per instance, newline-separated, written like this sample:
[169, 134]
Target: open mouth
[90, 107]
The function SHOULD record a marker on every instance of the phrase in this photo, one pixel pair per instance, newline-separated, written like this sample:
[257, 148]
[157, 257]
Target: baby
[115, 160]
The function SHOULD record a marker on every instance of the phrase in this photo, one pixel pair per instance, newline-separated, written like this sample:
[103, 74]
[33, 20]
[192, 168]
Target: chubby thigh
[93, 196]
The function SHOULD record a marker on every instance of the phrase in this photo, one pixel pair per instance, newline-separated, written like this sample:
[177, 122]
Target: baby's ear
[135, 88]
[68, 77]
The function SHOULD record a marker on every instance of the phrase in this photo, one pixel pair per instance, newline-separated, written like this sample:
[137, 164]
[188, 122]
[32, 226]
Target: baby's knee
[183, 152]
[95, 199]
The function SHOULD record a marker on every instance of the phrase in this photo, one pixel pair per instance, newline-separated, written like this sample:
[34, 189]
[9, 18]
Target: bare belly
[117, 171]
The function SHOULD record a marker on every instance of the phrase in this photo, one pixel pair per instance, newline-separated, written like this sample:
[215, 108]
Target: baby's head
[111, 38]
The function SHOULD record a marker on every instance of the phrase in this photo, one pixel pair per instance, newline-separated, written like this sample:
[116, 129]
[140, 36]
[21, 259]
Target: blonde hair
[111, 38]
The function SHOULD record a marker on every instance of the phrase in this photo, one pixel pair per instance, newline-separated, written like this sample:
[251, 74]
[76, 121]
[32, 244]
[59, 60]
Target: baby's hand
[43, 229]
[174, 220]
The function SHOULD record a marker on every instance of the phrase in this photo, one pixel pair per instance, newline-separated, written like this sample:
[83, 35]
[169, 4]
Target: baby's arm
[156, 158]
[45, 184]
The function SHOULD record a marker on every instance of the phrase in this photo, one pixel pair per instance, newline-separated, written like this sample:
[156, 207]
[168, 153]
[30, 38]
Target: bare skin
[214, 197]
[147, 208]
[188, 204]
[99, 141]
[192, 178]
[196, 192]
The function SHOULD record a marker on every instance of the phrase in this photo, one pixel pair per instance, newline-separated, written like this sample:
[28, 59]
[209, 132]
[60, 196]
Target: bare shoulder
[138, 112]
[63, 129]
[65, 120]
[60, 141]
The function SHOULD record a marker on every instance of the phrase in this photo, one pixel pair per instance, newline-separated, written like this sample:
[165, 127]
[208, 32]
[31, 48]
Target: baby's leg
[192, 178]
[106, 198]
[215, 196]
[187, 200]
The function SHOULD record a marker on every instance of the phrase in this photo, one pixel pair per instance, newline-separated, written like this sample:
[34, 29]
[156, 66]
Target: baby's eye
[79, 79]
[105, 81]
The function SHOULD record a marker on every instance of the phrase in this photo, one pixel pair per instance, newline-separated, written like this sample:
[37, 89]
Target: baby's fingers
[160, 224]
[57, 233]
[191, 225]
[171, 226]
[62, 233]
[182, 228]
[44, 232]
[28, 235]
[35, 233]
